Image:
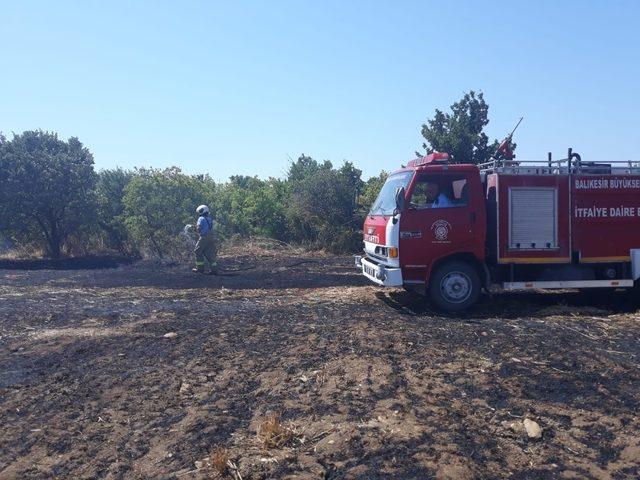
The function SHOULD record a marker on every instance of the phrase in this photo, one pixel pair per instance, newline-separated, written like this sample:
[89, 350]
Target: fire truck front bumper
[379, 273]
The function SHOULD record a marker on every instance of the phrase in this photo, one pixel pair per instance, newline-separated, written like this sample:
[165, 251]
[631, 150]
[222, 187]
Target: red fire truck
[450, 230]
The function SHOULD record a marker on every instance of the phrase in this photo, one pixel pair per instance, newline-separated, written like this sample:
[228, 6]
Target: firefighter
[437, 198]
[206, 248]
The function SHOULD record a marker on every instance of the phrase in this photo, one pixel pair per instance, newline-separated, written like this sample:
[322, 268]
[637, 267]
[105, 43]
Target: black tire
[454, 286]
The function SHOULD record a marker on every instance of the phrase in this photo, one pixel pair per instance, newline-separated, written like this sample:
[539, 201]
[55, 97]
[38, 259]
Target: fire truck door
[440, 218]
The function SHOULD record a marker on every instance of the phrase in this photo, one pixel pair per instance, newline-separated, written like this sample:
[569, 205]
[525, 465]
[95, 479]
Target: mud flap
[485, 278]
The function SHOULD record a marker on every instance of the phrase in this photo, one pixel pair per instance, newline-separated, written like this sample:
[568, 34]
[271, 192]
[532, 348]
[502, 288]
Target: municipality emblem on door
[440, 229]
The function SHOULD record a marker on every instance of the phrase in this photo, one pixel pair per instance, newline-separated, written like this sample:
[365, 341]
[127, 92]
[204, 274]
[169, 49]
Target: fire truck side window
[439, 192]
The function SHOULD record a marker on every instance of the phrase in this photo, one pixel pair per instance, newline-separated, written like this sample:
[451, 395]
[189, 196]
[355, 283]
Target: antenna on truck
[505, 149]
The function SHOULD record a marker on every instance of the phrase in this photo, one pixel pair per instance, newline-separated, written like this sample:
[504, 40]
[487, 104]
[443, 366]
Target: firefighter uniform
[206, 249]
[206, 252]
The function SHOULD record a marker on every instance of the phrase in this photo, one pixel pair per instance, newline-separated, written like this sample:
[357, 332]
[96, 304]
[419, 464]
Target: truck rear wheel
[454, 286]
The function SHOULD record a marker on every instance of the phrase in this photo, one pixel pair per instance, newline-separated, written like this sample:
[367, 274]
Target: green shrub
[157, 205]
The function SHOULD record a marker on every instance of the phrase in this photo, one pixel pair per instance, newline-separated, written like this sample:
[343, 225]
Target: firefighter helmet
[202, 210]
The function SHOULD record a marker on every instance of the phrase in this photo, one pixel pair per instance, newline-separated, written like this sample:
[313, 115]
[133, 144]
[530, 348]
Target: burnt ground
[369, 383]
[75, 263]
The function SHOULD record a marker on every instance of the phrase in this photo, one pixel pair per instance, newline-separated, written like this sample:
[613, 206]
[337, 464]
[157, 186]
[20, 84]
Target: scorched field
[291, 365]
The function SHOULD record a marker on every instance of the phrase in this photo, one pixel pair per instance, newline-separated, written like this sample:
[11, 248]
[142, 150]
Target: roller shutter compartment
[533, 218]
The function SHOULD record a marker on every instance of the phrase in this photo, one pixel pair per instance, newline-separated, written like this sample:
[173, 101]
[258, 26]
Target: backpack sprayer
[188, 236]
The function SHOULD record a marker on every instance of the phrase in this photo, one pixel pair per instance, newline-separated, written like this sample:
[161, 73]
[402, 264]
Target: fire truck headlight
[393, 252]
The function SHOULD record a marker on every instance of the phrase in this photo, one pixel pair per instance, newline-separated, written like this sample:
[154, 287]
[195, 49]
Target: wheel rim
[455, 287]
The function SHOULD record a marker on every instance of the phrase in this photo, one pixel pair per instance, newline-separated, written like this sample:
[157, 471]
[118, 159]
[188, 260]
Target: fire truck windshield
[385, 204]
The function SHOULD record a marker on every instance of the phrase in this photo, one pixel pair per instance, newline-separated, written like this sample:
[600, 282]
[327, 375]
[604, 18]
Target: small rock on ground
[533, 429]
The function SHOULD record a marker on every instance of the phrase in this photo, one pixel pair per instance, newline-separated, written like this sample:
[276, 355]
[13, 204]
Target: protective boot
[199, 267]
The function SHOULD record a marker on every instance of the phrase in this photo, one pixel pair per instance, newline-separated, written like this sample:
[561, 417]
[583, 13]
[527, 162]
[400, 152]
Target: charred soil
[290, 367]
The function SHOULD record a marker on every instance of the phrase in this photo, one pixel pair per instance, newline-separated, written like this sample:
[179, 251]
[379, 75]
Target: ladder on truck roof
[572, 164]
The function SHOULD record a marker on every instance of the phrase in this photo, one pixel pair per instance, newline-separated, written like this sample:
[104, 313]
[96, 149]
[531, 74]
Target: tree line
[53, 201]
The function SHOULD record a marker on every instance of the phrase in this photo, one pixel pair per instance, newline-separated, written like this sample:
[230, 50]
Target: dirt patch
[148, 371]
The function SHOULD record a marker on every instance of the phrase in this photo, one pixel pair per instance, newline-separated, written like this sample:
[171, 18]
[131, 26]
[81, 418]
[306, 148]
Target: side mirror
[399, 199]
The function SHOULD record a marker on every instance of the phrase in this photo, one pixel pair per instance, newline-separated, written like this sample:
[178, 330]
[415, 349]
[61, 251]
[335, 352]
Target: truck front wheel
[454, 286]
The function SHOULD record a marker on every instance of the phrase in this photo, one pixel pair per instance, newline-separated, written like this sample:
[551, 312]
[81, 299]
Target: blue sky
[242, 87]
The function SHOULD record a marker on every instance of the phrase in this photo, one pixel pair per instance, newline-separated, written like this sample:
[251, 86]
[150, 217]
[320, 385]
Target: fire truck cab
[449, 230]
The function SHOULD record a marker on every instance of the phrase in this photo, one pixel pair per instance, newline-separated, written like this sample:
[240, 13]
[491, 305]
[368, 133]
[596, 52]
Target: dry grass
[21, 253]
[220, 460]
[272, 433]
[263, 247]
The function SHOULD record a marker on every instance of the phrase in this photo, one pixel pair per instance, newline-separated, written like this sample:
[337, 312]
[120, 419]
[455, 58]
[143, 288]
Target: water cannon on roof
[431, 159]
[505, 149]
